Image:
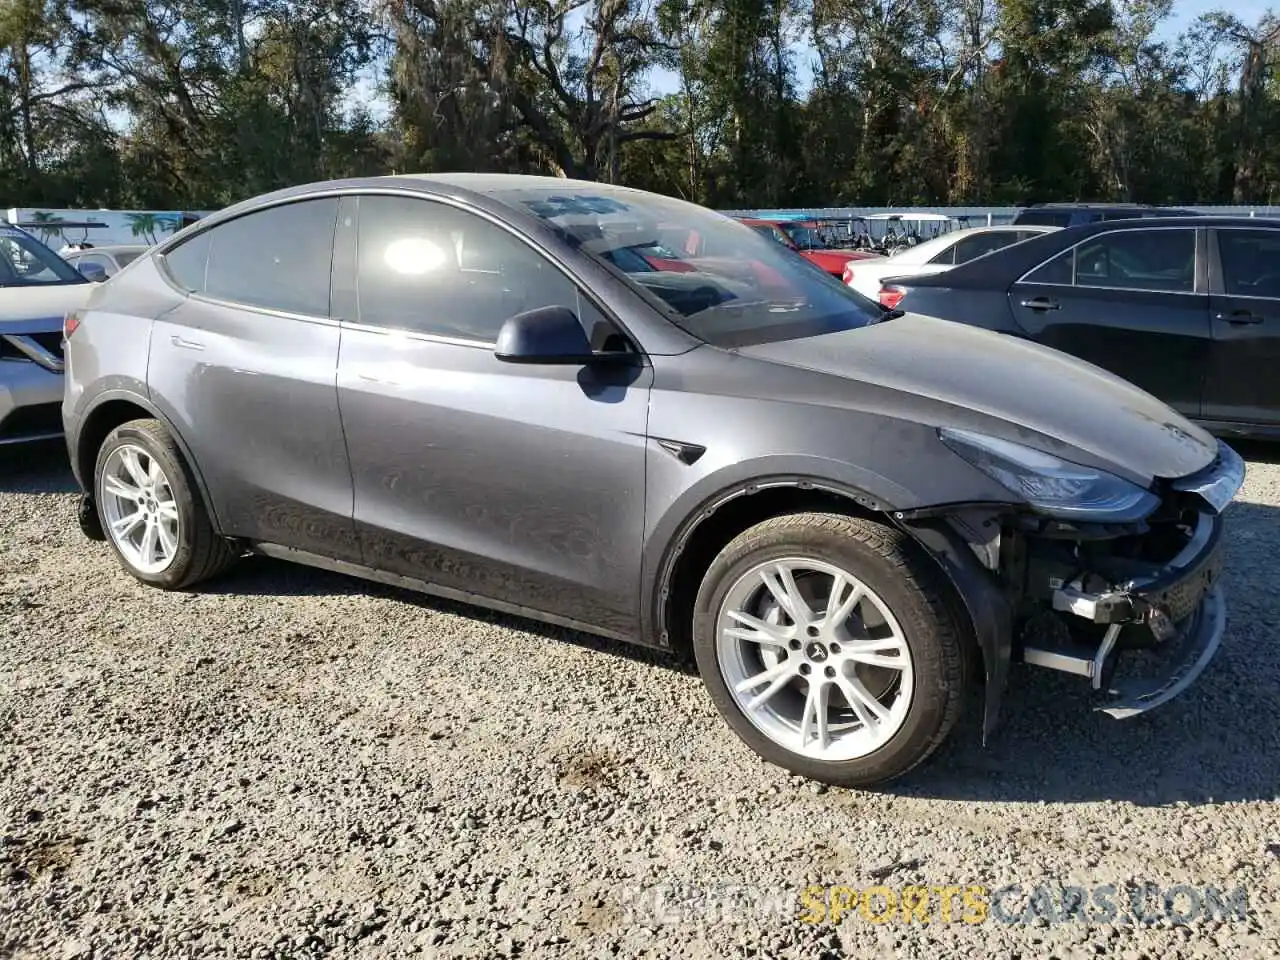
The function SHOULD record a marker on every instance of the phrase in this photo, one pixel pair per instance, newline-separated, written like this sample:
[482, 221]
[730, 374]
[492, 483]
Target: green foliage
[199, 103]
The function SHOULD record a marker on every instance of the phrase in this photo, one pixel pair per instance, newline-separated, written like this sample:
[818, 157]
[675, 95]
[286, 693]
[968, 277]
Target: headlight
[1050, 485]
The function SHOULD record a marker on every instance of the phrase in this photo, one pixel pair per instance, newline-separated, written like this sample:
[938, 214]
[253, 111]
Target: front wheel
[829, 645]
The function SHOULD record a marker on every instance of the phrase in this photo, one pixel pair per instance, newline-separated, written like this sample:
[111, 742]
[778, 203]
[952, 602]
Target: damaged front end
[1133, 607]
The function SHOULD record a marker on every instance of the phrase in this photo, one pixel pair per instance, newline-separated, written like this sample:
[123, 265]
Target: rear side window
[1157, 260]
[1250, 262]
[277, 258]
[186, 263]
[1057, 271]
[946, 256]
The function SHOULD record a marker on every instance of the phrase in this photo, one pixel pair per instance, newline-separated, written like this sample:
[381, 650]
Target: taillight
[70, 324]
[891, 296]
[848, 273]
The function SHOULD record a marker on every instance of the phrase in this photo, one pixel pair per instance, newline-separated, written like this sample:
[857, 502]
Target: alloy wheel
[814, 659]
[139, 509]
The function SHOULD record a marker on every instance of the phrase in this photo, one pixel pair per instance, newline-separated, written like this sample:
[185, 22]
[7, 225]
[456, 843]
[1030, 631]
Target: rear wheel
[150, 510]
[829, 645]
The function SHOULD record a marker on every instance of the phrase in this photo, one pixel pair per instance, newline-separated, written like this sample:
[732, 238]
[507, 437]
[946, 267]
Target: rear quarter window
[187, 262]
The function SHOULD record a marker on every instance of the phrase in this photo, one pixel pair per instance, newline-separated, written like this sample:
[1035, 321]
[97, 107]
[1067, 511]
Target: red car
[805, 237]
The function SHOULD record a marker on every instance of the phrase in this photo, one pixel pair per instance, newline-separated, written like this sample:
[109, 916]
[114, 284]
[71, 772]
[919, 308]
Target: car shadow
[265, 576]
[1256, 451]
[39, 467]
[1215, 742]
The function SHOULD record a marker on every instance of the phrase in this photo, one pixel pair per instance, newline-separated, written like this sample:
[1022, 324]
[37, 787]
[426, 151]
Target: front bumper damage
[1177, 611]
[1136, 610]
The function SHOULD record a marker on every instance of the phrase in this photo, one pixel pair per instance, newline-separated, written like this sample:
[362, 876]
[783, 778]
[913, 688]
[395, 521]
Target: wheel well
[101, 421]
[712, 534]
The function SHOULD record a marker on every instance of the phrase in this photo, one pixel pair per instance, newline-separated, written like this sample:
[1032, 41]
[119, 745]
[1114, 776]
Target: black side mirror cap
[548, 335]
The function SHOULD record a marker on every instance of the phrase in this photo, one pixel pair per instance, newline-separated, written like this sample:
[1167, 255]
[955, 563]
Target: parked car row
[626, 414]
[1187, 308]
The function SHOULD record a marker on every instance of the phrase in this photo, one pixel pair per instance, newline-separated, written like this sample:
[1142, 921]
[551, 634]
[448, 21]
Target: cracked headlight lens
[1049, 484]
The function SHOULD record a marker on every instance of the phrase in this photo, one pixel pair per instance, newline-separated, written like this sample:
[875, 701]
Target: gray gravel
[295, 764]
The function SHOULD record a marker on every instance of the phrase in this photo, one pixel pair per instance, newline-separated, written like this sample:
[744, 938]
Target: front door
[1244, 385]
[246, 368]
[522, 484]
[1131, 301]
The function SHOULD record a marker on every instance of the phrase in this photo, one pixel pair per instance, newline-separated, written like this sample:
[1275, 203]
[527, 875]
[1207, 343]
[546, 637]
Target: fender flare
[658, 588]
[137, 400]
[989, 610]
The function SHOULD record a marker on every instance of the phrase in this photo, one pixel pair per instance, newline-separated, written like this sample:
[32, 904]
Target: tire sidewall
[179, 483]
[926, 713]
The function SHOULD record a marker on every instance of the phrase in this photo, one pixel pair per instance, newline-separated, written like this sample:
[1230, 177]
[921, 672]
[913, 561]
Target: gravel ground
[295, 764]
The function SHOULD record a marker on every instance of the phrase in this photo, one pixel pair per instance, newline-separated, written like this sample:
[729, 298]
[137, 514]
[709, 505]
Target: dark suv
[454, 384]
[1076, 214]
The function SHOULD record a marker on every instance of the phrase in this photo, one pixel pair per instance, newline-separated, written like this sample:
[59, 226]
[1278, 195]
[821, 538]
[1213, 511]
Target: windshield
[719, 280]
[26, 262]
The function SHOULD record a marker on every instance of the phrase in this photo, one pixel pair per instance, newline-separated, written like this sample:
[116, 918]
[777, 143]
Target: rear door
[1132, 301]
[246, 368]
[1244, 307]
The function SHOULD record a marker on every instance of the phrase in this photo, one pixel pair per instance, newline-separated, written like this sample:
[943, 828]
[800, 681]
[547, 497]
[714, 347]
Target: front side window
[1250, 262]
[733, 284]
[1158, 260]
[428, 267]
[26, 262]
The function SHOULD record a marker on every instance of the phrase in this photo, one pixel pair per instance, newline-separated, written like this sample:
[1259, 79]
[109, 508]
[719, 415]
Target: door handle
[186, 344]
[1240, 317]
[1041, 303]
[373, 378]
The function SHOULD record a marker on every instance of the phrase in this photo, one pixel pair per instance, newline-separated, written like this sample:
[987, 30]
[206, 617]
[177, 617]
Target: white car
[934, 256]
[37, 290]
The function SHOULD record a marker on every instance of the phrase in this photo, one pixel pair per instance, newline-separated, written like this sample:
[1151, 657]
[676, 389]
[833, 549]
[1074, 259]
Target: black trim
[988, 609]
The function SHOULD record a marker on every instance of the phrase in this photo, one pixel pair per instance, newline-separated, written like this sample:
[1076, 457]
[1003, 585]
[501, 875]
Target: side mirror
[547, 335]
[94, 272]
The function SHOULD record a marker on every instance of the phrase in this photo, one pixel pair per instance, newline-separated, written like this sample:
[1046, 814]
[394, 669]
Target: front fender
[675, 523]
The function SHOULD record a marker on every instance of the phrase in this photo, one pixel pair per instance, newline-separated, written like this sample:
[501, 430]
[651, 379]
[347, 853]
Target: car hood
[952, 374]
[39, 307]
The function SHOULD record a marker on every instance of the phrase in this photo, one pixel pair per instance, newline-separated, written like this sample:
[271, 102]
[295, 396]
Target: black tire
[201, 553]
[913, 587]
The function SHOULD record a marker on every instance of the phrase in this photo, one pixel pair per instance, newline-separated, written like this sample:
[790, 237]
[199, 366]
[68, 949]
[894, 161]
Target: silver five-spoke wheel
[139, 509]
[814, 659]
